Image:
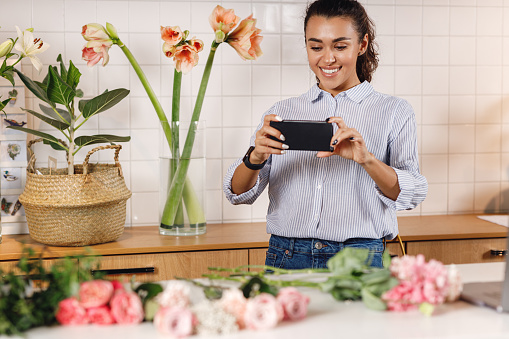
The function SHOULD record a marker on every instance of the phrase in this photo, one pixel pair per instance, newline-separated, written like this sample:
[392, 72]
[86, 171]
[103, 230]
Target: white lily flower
[30, 47]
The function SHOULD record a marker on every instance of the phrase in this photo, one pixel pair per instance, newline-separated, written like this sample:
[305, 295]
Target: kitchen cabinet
[142, 251]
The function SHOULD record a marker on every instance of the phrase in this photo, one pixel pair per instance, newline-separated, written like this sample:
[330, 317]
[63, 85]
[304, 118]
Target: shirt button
[318, 245]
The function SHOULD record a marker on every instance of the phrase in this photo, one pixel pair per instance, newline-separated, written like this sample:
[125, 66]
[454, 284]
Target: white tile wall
[449, 59]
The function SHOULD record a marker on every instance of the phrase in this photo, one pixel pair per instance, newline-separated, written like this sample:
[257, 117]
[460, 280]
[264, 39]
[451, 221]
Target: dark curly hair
[368, 61]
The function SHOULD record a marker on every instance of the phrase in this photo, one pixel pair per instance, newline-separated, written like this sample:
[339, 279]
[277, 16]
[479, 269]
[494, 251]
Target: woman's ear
[363, 45]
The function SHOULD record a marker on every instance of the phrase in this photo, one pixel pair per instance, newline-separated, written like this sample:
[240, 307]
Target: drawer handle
[498, 253]
[125, 271]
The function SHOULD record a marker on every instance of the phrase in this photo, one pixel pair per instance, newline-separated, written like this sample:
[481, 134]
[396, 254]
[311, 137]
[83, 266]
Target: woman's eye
[316, 48]
[340, 48]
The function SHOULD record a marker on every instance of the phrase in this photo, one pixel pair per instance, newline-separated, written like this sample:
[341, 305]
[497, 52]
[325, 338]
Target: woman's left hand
[348, 143]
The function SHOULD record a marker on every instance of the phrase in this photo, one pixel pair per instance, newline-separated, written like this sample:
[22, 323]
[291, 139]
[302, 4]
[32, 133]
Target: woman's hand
[348, 143]
[265, 146]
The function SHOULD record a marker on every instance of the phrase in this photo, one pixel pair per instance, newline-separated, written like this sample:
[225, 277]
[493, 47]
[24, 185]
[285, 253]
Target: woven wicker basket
[86, 208]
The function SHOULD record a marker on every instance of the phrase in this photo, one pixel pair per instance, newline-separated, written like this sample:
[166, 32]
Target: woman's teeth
[330, 71]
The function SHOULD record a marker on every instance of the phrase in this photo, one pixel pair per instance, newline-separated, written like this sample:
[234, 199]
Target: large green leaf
[62, 115]
[73, 76]
[82, 103]
[55, 123]
[54, 145]
[372, 301]
[43, 135]
[63, 70]
[104, 101]
[4, 103]
[59, 91]
[42, 85]
[34, 88]
[99, 138]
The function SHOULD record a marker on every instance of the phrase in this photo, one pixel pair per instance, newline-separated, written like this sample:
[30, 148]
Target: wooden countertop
[147, 239]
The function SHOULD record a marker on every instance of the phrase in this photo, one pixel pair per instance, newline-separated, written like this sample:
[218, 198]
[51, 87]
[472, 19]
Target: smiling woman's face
[332, 45]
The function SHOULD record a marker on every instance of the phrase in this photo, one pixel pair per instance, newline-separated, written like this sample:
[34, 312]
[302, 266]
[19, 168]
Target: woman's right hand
[265, 146]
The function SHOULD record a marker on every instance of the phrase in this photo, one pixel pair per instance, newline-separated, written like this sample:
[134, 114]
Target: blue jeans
[299, 253]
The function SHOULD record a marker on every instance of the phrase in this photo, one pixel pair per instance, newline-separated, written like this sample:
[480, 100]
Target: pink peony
[117, 286]
[263, 312]
[100, 315]
[295, 304]
[246, 40]
[234, 302]
[70, 312]
[126, 308]
[175, 321]
[95, 293]
[171, 35]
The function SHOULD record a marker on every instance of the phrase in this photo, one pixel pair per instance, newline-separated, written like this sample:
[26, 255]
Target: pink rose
[94, 32]
[70, 312]
[95, 293]
[246, 40]
[126, 308]
[234, 302]
[295, 304]
[100, 315]
[176, 321]
[185, 57]
[263, 312]
[94, 51]
[171, 35]
[117, 285]
[223, 19]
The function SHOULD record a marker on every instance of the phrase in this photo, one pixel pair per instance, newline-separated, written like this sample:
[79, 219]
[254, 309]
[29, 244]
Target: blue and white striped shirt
[334, 198]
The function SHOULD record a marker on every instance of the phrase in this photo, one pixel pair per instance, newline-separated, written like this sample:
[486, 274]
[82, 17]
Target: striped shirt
[334, 198]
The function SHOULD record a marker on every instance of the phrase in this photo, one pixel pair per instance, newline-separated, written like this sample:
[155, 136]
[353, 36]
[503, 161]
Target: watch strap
[254, 167]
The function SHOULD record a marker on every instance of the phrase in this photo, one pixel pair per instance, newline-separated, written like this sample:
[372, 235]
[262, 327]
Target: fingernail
[327, 120]
[335, 142]
[282, 137]
[285, 146]
[278, 118]
[283, 152]
[331, 149]
[352, 138]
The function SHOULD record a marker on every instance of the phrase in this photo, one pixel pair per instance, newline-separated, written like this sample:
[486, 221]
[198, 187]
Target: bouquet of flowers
[245, 39]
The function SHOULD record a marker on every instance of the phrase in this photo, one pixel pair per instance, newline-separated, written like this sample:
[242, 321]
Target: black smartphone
[305, 135]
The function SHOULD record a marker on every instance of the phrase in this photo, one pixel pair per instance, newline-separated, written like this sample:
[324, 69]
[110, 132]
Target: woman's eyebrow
[335, 40]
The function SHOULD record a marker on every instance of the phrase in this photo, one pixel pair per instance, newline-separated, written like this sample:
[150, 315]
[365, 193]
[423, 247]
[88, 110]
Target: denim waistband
[311, 245]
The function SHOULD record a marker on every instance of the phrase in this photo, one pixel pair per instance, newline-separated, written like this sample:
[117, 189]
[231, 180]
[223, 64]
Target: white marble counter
[331, 319]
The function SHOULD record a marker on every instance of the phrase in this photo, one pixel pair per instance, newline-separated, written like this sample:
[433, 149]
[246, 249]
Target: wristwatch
[254, 167]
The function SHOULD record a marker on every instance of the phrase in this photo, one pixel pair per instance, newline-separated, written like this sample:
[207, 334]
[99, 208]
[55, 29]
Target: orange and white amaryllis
[246, 39]
[184, 52]
[222, 22]
[171, 35]
[97, 46]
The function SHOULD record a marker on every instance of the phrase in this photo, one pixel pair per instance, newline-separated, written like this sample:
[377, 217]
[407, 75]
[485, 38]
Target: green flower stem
[152, 96]
[175, 136]
[177, 185]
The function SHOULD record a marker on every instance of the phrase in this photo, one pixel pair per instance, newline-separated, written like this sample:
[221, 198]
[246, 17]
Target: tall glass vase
[183, 213]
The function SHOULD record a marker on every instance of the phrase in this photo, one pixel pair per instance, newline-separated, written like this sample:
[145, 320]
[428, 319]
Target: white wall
[450, 59]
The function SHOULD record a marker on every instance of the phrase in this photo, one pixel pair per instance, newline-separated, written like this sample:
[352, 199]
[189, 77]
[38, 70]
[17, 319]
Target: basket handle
[31, 154]
[117, 149]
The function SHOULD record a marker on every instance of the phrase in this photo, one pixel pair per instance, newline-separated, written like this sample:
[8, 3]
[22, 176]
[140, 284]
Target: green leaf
[73, 76]
[34, 88]
[63, 70]
[43, 135]
[255, 286]
[82, 103]
[104, 101]
[4, 103]
[79, 93]
[382, 287]
[98, 139]
[58, 91]
[9, 75]
[150, 290]
[386, 259]
[372, 301]
[348, 261]
[54, 145]
[55, 123]
[376, 277]
[60, 114]
[42, 85]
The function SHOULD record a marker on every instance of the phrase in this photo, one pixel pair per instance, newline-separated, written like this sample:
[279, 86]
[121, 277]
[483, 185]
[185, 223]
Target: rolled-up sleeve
[403, 158]
[251, 195]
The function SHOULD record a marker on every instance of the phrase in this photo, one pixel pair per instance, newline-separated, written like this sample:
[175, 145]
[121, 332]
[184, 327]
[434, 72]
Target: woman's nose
[329, 57]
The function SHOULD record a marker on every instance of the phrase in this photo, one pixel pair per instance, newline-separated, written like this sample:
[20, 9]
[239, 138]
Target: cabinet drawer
[164, 266]
[257, 257]
[459, 251]
[7, 266]
[394, 248]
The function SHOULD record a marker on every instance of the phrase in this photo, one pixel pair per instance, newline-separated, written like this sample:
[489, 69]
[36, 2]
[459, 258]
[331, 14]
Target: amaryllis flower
[70, 312]
[94, 51]
[222, 22]
[126, 308]
[100, 315]
[175, 321]
[95, 32]
[263, 312]
[185, 57]
[95, 293]
[171, 35]
[246, 40]
[197, 44]
[30, 47]
[169, 50]
[295, 304]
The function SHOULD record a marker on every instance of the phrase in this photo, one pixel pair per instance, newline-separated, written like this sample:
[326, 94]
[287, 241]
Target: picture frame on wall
[12, 180]
[11, 209]
[13, 153]
[16, 95]
[13, 119]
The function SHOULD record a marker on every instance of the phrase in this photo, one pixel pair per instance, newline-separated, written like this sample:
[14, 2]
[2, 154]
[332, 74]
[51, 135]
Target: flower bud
[112, 31]
[220, 36]
[6, 47]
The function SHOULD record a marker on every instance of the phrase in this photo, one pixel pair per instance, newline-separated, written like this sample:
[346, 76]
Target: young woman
[321, 202]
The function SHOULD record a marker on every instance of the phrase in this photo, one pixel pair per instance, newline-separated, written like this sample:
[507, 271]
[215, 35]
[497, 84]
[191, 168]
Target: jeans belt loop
[291, 247]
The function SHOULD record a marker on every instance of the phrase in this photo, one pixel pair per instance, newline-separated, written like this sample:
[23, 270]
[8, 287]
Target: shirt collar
[356, 93]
